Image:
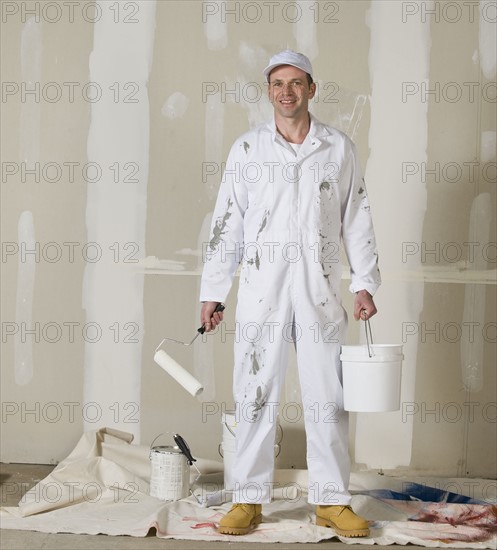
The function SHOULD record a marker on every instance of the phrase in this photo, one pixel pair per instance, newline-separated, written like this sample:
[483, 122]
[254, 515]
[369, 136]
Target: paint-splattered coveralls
[283, 215]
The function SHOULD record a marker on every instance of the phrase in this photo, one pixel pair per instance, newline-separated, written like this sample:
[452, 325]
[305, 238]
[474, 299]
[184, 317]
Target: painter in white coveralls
[291, 195]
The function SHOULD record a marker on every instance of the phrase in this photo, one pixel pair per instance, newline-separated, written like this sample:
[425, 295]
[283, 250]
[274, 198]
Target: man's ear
[312, 90]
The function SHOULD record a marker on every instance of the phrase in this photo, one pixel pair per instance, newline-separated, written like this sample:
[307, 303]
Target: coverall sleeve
[357, 227]
[223, 252]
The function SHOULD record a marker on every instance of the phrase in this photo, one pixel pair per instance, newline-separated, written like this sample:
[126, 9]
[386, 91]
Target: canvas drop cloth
[102, 488]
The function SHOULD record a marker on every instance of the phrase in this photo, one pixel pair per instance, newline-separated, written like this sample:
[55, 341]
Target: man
[291, 190]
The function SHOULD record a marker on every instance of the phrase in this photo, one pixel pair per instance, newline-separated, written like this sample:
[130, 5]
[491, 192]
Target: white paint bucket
[371, 377]
[227, 448]
[170, 473]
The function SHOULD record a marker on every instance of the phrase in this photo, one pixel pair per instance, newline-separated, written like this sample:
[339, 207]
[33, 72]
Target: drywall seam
[31, 59]
[214, 18]
[472, 350]
[253, 95]
[305, 29]
[399, 53]
[487, 38]
[29, 153]
[115, 218]
[26, 270]
[214, 133]
[475, 296]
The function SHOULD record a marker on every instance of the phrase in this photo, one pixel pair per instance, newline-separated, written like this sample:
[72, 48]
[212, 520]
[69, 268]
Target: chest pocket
[259, 182]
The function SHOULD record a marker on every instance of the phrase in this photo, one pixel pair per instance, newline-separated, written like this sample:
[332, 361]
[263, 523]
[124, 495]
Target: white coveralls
[282, 215]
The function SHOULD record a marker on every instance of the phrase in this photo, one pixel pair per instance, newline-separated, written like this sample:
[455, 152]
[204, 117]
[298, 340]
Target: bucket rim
[362, 346]
[173, 449]
[373, 359]
[382, 352]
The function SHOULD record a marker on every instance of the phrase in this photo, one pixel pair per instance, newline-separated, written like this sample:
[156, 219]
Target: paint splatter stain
[361, 190]
[246, 146]
[263, 224]
[259, 403]
[218, 229]
[255, 364]
[255, 395]
[210, 524]
[255, 261]
[325, 186]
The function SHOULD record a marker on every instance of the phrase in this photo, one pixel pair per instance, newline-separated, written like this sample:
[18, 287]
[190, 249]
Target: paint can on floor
[227, 447]
[170, 473]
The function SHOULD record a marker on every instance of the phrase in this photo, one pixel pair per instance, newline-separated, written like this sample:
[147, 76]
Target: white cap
[288, 57]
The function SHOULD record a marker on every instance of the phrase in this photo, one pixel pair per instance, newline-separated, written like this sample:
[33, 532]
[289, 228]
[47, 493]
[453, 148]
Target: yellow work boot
[343, 520]
[241, 519]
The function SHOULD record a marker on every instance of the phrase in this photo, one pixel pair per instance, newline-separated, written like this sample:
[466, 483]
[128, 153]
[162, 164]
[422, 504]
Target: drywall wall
[118, 117]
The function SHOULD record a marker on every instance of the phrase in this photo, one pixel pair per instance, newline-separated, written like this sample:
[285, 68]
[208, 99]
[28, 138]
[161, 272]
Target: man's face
[289, 91]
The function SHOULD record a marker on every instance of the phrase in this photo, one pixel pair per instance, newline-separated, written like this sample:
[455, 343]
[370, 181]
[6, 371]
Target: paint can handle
[156, 438]
[162, 433]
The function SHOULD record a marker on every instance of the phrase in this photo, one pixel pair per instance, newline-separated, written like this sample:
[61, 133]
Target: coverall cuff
[370, 288]
[210, 299]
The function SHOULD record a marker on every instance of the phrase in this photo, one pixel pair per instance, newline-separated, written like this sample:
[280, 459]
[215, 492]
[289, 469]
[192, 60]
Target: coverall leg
[261, 358]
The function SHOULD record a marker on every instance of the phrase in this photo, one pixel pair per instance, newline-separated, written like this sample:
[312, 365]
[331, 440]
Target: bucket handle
[152, 444]
[229, 429]
[367, 326]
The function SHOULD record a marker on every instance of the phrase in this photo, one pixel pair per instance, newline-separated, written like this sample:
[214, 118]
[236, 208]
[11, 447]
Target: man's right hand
[208, 317]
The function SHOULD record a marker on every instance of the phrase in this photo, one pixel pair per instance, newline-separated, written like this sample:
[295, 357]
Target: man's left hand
[364, 307]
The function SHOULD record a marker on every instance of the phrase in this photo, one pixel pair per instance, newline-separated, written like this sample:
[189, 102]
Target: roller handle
[219, 308]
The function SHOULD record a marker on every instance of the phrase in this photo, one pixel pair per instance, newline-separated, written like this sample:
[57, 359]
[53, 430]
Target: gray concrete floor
[24, 476]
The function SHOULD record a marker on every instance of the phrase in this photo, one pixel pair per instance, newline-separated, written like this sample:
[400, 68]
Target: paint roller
[174, 369]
